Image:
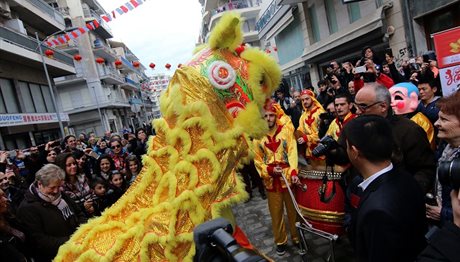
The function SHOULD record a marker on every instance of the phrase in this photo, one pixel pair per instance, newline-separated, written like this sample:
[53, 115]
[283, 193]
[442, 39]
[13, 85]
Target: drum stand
[304, 226]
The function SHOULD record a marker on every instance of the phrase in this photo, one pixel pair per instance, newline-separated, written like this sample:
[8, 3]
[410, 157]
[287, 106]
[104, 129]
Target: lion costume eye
[221, 75]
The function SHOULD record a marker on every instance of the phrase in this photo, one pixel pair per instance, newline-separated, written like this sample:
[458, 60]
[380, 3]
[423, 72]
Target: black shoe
[263, 196]
[281, 249]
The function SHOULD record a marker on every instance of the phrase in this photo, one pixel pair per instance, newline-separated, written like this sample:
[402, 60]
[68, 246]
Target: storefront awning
[352, 32]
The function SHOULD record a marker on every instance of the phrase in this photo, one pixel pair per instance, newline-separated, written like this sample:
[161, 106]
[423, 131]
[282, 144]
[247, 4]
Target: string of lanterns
[118, 63]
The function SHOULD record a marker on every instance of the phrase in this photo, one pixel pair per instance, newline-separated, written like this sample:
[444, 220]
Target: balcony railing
[232, 5]
[268, 14]
[128, 64]
[40, 4]
[31, 44]
[132, 82]
[90, 14]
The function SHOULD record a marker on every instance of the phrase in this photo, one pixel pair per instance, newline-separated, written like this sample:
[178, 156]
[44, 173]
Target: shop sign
[29, 119]
[447, 45]
[450, 79]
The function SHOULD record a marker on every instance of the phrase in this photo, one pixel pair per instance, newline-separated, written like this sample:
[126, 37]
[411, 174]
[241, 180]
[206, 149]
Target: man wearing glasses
[411, 149]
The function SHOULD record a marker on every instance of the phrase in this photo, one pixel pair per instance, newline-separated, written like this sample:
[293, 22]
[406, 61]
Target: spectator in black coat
[389, 223]
[48, 217]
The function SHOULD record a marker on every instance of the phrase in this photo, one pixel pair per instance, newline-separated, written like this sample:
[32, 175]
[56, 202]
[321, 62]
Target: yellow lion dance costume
[210, 108]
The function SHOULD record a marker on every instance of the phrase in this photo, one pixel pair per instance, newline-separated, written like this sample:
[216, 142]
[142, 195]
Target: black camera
[449, 173]
[214, 243]
[326, 144]
[327, 116]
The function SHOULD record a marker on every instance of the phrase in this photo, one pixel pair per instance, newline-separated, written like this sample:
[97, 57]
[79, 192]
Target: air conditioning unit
[17, 25]
[5, 9]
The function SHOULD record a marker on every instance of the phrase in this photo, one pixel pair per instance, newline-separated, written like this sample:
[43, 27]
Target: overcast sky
[158, 31]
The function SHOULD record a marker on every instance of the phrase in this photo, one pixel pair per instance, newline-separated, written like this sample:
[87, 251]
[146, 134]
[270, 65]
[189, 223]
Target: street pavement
[254, 219]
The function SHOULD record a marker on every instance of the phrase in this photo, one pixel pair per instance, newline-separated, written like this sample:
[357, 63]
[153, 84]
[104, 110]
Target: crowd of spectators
[364, 82]
[47, 191]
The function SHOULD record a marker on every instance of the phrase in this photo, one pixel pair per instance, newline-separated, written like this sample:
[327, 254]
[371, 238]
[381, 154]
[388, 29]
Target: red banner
[447, 45]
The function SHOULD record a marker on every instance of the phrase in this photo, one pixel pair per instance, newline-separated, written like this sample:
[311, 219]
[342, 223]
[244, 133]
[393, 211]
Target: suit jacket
[389, 224]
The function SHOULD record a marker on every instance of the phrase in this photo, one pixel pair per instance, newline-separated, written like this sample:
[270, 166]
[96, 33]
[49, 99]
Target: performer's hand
[300, 140]
[278, 170]
[295, 180]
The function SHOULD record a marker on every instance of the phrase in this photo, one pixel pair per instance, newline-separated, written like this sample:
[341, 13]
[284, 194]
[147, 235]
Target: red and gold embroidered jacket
[336, 126]
[309, 126]
[277, 148]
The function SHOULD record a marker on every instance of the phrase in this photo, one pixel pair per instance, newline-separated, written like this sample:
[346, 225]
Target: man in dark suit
[389, 222]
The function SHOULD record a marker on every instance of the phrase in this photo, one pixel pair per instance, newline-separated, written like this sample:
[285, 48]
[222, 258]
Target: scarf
[448, 154]
[58, 201]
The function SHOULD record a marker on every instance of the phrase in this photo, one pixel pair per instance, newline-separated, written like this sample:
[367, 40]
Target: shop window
[331, 17]
[48, 100]
[8, 98]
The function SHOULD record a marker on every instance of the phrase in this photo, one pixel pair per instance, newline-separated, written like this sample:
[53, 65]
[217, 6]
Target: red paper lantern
[168, 66]
[77, 57]
[275, 49]
[136, 64]
[152, 65]
[118, 63]
[49, 53]
[100, 60]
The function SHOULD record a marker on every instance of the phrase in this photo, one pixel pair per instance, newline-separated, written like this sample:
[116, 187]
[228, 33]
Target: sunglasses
[363, 107]
[117, 146]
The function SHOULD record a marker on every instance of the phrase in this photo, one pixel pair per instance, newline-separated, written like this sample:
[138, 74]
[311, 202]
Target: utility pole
[53, 98]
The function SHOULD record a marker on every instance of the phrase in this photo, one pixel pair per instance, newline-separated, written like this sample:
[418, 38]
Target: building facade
[308, 34]
[212, 11]
[27, 110]
[99, 96]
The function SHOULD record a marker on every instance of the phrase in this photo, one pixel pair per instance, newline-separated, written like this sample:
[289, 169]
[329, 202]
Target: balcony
[103, 30]
[23, 49]
[130, 55]
[38, 14]
[110, 76]
[127, 65]
[101, 50]
[244, 8]
[69, 80]
[71, 47]
[130, 84]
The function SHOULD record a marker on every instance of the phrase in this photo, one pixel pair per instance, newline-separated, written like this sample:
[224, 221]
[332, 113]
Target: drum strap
[322, 190]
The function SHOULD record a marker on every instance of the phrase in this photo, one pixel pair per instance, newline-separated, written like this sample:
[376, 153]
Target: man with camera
[389, 223]
[276, 156]
[343, 106]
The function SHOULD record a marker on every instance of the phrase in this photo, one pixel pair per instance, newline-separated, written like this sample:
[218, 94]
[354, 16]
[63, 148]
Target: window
[378, 3]
[48, 100]
[8, 102]
[314, 24]
[331, 18]
[354, 12]
[26, 98]
[36, 98]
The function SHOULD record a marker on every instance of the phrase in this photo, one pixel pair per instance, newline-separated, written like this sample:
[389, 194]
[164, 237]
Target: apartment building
[157, 84]
[308, 34]
[212, 11]
[99, 96]
[27, 112]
